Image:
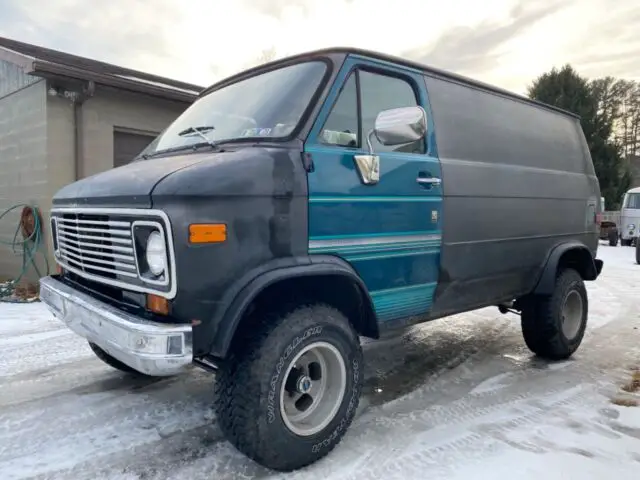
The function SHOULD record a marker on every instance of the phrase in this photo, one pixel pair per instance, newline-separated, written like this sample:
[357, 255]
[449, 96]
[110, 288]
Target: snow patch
[17, 340]
[482, 407]
[493, 384]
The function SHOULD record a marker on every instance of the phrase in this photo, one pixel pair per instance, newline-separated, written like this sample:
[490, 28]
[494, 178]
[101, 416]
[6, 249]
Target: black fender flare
[591, 267]
[253, 283]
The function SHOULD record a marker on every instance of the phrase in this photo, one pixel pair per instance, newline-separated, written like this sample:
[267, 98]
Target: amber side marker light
[157, 304]
[207, 233]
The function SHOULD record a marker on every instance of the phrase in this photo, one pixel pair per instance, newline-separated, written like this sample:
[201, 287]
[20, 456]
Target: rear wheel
[291, 387]
[553, 326]
[113, 362]
[613, 237]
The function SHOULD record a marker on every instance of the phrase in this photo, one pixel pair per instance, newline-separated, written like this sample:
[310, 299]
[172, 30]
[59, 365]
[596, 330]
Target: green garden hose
[29, 247]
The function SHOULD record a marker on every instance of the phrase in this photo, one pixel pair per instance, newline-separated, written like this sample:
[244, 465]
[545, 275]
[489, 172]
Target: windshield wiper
[193, 146]
[199, 130]
[181, 148]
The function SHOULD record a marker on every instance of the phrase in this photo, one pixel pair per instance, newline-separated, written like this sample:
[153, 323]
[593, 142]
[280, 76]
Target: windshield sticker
[257, 132]
[251, 132]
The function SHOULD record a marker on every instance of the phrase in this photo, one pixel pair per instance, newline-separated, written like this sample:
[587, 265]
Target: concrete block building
[64, 117]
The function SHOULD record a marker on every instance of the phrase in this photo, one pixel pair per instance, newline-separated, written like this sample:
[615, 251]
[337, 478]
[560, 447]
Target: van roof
[388, 58]
[634, 190]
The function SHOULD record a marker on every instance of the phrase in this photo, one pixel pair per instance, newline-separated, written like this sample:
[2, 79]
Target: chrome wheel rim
[313, 389]
[571, 312]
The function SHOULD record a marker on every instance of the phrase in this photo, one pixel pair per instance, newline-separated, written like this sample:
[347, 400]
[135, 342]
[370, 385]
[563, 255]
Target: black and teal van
[300, 205]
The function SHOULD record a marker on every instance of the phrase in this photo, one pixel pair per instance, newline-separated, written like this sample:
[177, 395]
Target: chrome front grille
[96, 245]
[108, 246]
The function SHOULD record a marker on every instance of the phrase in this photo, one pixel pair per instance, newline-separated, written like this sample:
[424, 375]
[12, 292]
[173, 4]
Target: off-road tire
[541, 319]
[638, 251]
[613, 237]
[113, 362]
[247, 392]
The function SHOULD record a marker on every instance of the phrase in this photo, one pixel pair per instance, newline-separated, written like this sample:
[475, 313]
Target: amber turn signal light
[207, 233]
[157, 304]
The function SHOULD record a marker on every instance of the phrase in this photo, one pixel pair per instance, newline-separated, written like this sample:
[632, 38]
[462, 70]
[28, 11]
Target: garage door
[127, 145]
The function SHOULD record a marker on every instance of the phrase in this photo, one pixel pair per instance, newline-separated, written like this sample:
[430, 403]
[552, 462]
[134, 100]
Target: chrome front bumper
[155, 349]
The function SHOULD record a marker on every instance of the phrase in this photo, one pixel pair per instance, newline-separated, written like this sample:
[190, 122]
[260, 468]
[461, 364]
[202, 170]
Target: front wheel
[287, 395]
[553, 326]
[638, 251]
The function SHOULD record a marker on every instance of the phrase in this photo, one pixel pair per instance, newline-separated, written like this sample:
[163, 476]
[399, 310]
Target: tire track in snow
[441, 415]
[47, 352]
[393, 433]
[456, 443]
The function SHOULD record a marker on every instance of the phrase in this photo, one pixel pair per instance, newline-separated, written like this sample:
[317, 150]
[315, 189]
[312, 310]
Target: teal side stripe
[395, 303]
[365, 236]
[393, 254]
[384, 247]
[363, 198]
[369, 248]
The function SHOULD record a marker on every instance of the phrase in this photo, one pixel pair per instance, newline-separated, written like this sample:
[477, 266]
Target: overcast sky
[505, 42]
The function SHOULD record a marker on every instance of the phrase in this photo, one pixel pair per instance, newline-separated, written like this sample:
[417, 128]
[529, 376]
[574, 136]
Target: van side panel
[516, 183]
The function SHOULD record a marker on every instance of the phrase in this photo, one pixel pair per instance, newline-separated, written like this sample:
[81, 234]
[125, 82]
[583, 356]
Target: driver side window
[341, 128]
[350, 121]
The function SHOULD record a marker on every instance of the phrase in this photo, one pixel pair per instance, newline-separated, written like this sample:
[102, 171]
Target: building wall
[12, 78]
[101, 114]
[37, 145]
[60, 154]
[108, 110]
[23, 159]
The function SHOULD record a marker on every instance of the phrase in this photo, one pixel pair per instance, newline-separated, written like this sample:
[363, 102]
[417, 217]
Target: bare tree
[619, 110]
[629, 123]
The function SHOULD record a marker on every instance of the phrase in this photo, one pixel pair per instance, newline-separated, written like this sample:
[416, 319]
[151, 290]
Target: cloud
[118, 30]
[618, 51]
[201, 41]
[278, 8]
[476, 49]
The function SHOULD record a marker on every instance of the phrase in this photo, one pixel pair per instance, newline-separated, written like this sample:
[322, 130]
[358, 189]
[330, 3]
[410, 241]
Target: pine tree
[565, 88]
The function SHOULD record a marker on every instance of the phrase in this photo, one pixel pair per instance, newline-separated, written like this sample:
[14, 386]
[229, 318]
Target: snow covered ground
[460, 398]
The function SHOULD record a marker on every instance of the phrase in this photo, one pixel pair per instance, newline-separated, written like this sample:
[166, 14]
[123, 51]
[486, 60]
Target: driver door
[388, 231]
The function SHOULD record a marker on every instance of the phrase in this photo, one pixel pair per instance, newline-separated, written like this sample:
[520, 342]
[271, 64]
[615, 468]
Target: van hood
[130, 185]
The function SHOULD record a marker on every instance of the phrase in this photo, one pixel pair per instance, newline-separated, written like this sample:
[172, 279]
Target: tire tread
[540, 327]
[238, 392]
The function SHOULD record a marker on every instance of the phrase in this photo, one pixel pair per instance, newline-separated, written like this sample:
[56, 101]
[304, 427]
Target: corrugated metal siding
[12, 78]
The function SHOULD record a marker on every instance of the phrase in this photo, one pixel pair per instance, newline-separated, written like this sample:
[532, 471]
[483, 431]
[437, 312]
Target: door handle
[429, 181]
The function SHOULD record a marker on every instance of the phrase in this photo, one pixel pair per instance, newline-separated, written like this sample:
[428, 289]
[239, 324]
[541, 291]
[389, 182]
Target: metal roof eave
[24, 62]
[52, 70]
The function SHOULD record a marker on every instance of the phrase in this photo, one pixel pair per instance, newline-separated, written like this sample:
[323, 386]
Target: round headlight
[631, 226]
[156, 254]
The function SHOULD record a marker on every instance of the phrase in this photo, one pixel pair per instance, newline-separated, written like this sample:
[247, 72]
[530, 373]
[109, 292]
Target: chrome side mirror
[395, 126]
[400, 125]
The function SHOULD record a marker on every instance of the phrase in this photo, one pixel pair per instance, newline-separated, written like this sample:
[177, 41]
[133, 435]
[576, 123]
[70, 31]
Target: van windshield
[266, 106]
[633, 201]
